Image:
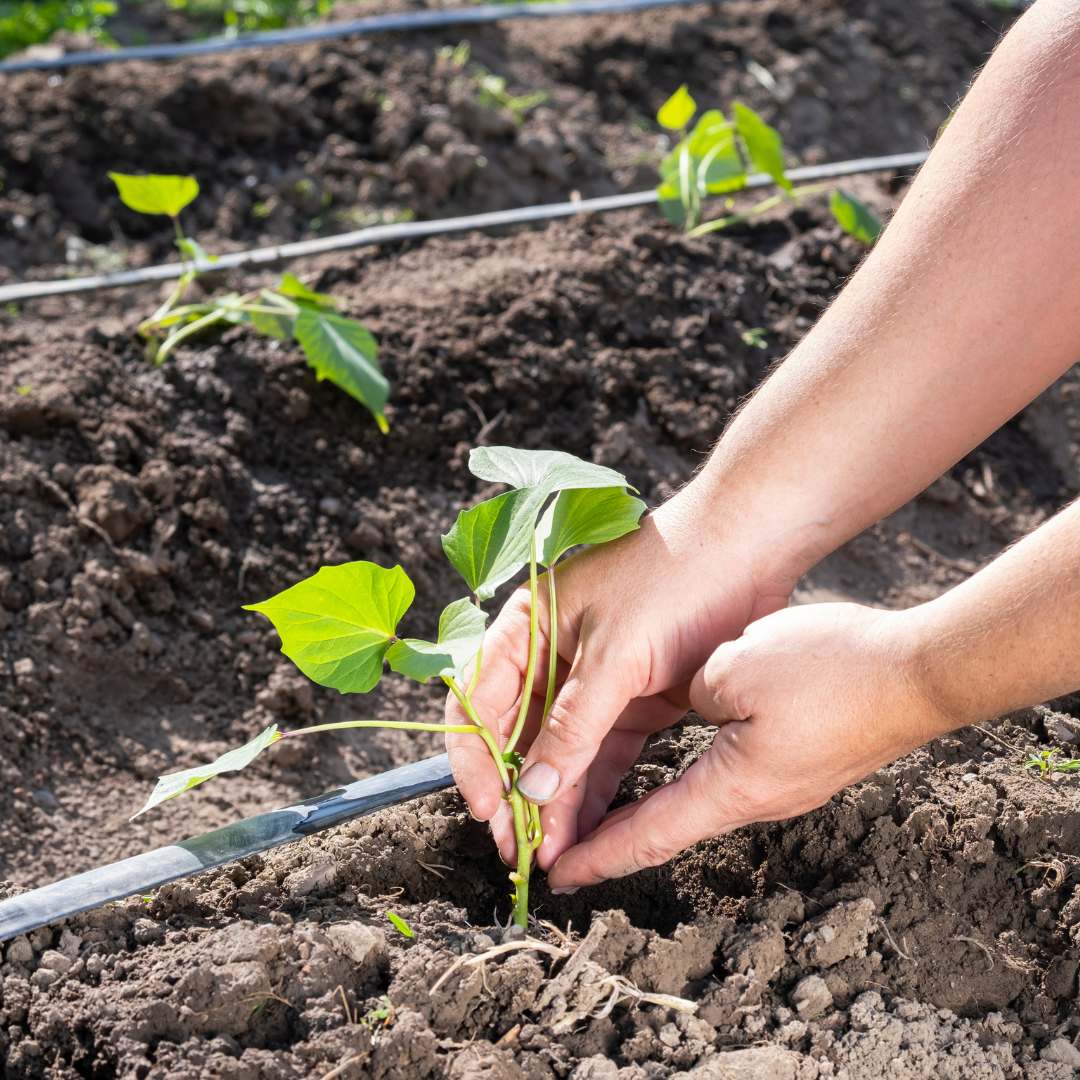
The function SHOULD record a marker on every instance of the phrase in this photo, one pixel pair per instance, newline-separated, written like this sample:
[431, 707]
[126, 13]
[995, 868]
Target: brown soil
[921, 923]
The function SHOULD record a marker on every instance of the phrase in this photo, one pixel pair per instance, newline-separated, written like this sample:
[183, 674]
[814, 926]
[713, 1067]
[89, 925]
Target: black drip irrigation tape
[381, 234]
[371, 24]
[130, 877]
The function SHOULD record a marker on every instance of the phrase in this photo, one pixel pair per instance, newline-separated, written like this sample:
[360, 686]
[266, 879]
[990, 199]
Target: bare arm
[964, 312]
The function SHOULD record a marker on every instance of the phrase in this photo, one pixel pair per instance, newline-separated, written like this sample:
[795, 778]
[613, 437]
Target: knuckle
[567, 729]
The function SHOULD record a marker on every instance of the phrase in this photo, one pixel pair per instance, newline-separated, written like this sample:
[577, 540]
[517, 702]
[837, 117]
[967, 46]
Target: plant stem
[402, 725]
[180, 237]
[481, 730]
[759, 208]
[553, 644]
[479, 660]
[520, 878]
[534, 633]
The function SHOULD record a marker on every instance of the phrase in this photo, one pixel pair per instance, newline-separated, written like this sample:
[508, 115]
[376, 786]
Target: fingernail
[540, 783]
[566, 890]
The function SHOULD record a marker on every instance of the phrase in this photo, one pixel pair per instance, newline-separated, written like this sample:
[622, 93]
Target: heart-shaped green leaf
[591, 516]
[175, 783]
[675, 113]
[855, 217]
[156, 194]
[549, 470]
[461, 633]
[763, 143]
[342, 351]
[337, 625]
[490, 543]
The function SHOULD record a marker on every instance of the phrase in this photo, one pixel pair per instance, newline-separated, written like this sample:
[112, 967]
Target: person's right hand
[637, 618]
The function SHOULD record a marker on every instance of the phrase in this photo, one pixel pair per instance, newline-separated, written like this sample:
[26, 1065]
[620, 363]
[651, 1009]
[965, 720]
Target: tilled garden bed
[918, 924]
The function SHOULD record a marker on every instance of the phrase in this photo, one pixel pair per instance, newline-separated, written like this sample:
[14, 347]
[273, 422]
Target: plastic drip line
[381, 234]
[371, 24]
[137, 875]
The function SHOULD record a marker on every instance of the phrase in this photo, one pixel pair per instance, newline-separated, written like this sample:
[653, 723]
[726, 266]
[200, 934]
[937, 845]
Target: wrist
[939, 680]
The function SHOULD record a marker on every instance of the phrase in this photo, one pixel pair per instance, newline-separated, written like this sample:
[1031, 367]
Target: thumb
[717, 693]
[590, 701]
[703, 802]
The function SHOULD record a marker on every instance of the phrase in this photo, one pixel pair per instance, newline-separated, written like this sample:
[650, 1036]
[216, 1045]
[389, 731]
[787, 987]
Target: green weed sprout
[400, 924]
[1047, 763]
[855, 217]
[341, 624]
[339, 349]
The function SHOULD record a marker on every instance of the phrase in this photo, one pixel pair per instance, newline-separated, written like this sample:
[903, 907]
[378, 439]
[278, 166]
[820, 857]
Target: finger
[495, 697]
[716, 692]
[601, 682]
[655, 828]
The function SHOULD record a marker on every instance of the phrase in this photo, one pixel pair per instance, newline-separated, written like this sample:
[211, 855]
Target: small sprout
[258, 1008]
[25, 389]
[1047, 763]
[400, 924]
[383, 1013]
[855, 217]
[755, 337]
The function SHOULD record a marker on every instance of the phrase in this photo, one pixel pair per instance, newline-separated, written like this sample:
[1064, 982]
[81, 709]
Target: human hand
[809, 700]
[637, 618]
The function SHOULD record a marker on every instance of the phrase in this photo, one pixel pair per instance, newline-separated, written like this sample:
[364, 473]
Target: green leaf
[174, 783]
[550, 470]
[294, 287]
[763, 143]
[591, 516]
[855, 217]
[461, 633]
[400, 924]
[342, 351]
[490, 543]
[675, 113]
[671, 204]
[337, 625]
[273, 324]
[194, 250]
[156, 194]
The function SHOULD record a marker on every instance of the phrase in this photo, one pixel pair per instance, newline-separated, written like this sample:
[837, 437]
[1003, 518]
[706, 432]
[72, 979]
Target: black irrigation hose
[137, 875]
[380, 234]
[371, 24]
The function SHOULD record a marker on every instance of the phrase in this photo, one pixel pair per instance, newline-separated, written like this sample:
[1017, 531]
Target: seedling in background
[755, 337]
[339, 349]
[341, 624]
[715, 158]
[1047, 763]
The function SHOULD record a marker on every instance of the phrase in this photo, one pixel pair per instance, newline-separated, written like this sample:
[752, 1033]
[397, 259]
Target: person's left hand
[809, 700]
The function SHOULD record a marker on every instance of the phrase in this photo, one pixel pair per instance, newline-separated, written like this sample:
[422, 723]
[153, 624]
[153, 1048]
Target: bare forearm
[1010, 636]
[964, 312]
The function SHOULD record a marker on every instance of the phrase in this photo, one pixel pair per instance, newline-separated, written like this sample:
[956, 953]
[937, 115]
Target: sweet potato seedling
[341, 624]
[1048, 762]
[714, 158]
[339, 349]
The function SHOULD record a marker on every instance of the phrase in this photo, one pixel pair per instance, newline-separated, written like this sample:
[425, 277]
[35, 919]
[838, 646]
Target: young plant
[339, 349]
[341, 624]
[1047, 762]
[714, 158]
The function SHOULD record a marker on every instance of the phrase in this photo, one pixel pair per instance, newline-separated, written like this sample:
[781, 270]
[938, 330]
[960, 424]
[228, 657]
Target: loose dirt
[921, 923]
